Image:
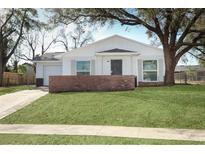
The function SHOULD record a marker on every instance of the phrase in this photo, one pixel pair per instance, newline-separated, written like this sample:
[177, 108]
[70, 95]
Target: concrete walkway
[12, 102]
[113, 131]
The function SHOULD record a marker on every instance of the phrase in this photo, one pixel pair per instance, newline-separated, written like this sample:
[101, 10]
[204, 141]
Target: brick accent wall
[91, 83]
[39, 82]
[149, 84]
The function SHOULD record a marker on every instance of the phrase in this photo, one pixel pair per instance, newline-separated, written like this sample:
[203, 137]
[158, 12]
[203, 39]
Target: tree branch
[200, 50]
[19, 37]
[136, 20]
[182, 52]
[45, 49]
[190, 24]
[8, 34]
[196, 31]
[7, 20]
[64, 44]
[194, 42]
[23, 57]
[175, 29]
[196, 56]
[191, 44]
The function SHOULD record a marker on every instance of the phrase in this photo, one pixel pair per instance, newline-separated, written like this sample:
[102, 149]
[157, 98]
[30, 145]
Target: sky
[136, 33]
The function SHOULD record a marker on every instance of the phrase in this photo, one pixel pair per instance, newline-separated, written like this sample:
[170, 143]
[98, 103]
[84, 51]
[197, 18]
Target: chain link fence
[190, 77]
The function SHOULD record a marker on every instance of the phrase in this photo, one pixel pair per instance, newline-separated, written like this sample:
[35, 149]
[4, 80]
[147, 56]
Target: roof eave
[37, 61]
[116, 54]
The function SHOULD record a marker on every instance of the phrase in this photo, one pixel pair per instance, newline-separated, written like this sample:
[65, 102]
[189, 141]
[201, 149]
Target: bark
[1, 71]
[170, 64]
[15, 66]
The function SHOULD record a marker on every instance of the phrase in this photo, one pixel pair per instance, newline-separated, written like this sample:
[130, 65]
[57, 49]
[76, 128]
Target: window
[83, 67]
[150, 70]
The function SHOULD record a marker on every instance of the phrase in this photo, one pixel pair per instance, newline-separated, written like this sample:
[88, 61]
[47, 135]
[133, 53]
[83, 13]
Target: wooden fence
[18, 79]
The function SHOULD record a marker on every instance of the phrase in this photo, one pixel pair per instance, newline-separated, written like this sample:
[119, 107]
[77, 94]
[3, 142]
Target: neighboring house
[29, 69]
[115, 55]
[186, 68]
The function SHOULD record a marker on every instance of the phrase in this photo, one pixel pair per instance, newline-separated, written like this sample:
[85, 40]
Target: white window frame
[150, 70]
[83, 61]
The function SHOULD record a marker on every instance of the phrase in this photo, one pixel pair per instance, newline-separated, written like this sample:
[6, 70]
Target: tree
[44, 46]
[79, 37]
[12, 24]
[22, 69]
[172, 27]
[31, 41]
[199, 51]
[37, 40]
[15, 59]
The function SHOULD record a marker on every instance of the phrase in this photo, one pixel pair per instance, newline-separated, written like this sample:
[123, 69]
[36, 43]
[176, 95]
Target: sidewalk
[12, 102]
[112, 131]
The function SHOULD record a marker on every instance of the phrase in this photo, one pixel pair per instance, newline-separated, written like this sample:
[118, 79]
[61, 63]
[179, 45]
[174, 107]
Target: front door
[116, 67]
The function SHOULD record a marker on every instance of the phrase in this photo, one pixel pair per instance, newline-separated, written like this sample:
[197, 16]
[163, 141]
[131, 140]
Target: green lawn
[170, 107]
[11, 89]
[58, 139]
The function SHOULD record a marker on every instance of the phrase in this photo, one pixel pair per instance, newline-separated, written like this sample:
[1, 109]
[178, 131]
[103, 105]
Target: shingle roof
[115, 50]
[48, 56]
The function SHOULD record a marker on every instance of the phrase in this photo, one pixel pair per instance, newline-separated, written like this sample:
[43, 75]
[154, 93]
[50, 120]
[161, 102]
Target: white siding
[54, 68]
[98, 65]
[50, 70]
[66, 66]
[39, 70]
[134, 65]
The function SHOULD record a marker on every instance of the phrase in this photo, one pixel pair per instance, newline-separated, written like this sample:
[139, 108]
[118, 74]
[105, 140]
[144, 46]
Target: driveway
[12, 102]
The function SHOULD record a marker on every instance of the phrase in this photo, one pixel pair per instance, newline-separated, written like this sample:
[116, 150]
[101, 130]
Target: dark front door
[116, 67]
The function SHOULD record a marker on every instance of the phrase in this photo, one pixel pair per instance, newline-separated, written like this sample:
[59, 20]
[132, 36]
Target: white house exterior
[115, 55]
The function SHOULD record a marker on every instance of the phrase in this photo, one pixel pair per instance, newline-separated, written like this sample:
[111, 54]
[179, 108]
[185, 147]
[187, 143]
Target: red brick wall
[91, 83]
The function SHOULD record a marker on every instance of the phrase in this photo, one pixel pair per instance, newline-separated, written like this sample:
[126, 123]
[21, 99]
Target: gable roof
[115, 50]
[122, 37]
[109, 38]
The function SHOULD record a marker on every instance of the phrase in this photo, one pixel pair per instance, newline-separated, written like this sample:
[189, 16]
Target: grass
[58, 139]
[11, 89]
[168, 107]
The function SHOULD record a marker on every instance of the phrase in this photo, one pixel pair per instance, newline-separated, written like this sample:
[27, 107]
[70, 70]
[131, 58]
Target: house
[112, 57]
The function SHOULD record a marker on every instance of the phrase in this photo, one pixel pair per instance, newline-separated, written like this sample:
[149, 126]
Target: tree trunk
[2, 68]
[16, 66]
[1, 72]
[169, 57]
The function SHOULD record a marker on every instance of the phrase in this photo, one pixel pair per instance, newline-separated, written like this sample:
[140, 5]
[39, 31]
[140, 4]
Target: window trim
[76, 72]
[157, 70]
